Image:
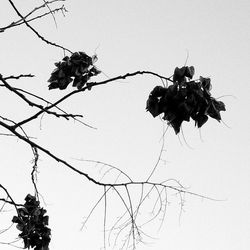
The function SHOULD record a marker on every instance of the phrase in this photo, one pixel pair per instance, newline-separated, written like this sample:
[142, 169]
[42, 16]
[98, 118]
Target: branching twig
[37, 34]
[94, 207]
[53, 156]
[12, 202]
[88, 87]
[33, 104]
[21, 21]
[112, 167]
[127, 224]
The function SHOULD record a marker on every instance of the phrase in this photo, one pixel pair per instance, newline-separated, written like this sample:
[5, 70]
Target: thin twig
[37, 34]
[88, 87]
[21, 21]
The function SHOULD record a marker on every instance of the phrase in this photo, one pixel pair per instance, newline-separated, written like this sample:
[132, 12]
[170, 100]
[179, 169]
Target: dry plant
[180, 100]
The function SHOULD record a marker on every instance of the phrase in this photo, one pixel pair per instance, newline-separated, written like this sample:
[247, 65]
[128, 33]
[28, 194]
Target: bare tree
[178, 99]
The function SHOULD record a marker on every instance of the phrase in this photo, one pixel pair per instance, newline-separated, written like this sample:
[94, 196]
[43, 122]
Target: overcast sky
[129, 36]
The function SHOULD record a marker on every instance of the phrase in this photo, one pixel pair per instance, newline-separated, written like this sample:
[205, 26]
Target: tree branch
[88, 87]
[37, 34]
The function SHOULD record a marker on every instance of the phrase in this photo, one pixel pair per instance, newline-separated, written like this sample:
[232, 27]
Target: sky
[127, 36]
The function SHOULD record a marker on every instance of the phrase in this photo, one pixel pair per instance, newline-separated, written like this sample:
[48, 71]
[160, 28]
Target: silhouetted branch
[53, 156]
[88, 87]
[21, 21]
[129, 222]
[37, 34]
[17, 77]
[33, 104]
[12, 202]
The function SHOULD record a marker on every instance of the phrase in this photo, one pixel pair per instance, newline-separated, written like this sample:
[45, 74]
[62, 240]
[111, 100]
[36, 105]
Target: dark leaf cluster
[185, 99]
[31, 220]
[78, 68]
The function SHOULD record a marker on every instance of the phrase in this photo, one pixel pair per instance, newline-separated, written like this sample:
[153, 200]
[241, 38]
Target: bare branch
[33, 104]
[129, 224]
[33, 144]
[37, 34]
[17, 77]
[94, 207]
[12, 202]
[88, 87]
[21, 21]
